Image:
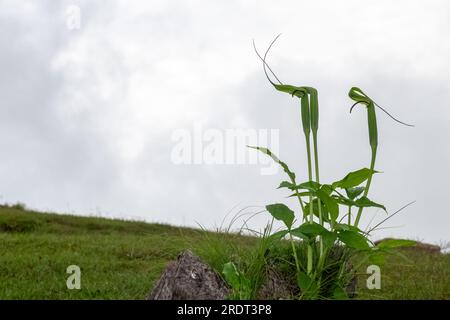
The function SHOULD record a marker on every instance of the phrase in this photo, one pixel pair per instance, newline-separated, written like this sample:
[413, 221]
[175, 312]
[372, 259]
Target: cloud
[87, 115]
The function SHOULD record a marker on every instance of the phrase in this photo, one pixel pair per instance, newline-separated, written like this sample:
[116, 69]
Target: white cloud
[114, 91]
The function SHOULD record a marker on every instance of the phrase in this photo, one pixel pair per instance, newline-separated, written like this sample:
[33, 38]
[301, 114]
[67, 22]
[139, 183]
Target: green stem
[294, 252]
[310, 260]
[302, 207]
[366, 190]
[311, 213]
[316, 163]
[349, 215]
[308, 151]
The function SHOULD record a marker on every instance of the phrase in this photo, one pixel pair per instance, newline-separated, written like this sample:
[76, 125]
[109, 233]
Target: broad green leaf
[354, 240]
[231, 275]
[354, 192]
[324, 210]
[343, 200]
[346, 227]
[340, 294]
[281, 212]
[327, 188]
[395, 243]
[278, 235]
[330, 203]
[354, 178]
[342, 227]
[366, 202]
[329, 238]
[296, 233]
[309, 185]
[308, 286]
[311, 229]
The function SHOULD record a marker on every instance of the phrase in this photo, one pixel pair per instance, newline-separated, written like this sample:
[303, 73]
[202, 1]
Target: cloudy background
[87, 115]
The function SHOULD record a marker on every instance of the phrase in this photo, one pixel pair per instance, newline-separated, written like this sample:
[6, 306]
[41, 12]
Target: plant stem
[349, 215]
[300, 201]
[310, 260]
[308, 151]
[294, 252]
[311, 214]
[316, 163]
[366, 190]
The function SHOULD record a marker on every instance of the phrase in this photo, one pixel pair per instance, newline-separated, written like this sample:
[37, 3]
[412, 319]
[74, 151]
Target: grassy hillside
[122, 259]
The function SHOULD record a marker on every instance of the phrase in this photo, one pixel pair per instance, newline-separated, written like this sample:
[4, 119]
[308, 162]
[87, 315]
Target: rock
[188, 278]
[277, 287]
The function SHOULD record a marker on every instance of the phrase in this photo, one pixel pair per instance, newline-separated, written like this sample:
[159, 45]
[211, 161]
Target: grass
[123, 259]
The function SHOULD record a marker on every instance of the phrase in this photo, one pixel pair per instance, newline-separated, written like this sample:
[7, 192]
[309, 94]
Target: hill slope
[123, 259]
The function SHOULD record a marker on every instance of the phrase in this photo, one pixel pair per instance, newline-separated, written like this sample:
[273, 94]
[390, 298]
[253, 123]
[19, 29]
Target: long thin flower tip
[351, 108]
[392, 117]
[265, 64]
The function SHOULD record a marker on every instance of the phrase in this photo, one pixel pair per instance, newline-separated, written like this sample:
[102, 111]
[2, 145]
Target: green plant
[322, 227]
[240, 284]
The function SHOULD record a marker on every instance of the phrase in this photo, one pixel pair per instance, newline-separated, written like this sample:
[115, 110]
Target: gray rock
[188, 278]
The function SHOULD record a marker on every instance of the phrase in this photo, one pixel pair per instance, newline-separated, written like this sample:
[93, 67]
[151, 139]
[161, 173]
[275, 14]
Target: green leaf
[343, 200]
[330, 203]
[278, 235]
[354, 192]
[309, 185]
[287, 184]
[307, 285]
[302, 194]
[395, 243]
[354, 240]
[296, 233]
[346, 227]
[315, 203]
[231, 275]
[281, 212]
[366, 202]
[275, 158]
[340, 294]
[327, 188]
[353, 178]
[310, 229]
[329, 238]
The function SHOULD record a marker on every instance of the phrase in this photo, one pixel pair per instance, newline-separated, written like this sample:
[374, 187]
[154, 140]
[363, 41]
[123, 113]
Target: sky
[98, 98]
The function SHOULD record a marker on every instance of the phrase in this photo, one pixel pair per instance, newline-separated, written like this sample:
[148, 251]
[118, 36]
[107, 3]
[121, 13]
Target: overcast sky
[88, 115]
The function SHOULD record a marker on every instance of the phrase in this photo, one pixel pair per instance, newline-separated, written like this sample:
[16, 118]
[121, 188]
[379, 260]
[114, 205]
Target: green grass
[123, 259]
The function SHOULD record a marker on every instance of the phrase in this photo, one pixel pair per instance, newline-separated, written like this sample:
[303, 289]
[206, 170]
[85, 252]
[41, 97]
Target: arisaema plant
[323, 224]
